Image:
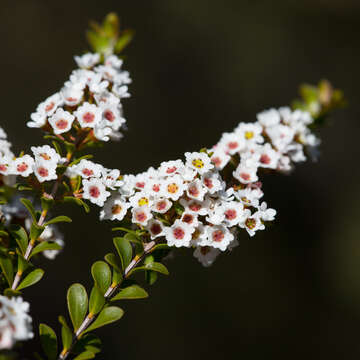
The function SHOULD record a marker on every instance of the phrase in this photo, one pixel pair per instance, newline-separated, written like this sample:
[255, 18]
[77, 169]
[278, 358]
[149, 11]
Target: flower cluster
[15, 323]
[276, 141]
[90, 100]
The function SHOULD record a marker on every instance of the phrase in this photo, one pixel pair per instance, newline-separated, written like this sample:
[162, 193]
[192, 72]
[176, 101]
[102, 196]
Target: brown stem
[108, 295]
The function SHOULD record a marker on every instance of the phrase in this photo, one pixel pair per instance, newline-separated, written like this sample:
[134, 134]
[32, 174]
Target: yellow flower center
[249, 135]
[143, 201]
[198, 163]
[116, 209]
[172, 188]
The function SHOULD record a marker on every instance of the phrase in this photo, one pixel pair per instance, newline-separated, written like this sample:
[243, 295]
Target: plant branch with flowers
[203, 201]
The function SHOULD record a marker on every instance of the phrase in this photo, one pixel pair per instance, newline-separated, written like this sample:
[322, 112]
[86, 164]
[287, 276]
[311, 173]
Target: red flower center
[22, 167]
[179, 233]
[88, 117]
[94, 191]
[109, 115]
[61, 124]
[43, 172]
[155, 229]
[218, 235]
[265, 159]
[230, 214]
[87, 172]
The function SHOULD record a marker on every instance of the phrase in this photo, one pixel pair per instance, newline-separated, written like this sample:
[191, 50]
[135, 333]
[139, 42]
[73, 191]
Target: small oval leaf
[31, 279]
[20, 236]
[131, 292]
[102, 275]
[48, 341]
[97, 301]
[45, 245]
[106, 316]
[66, 334]
[124, 250]
[77, 301]
[61, 218]
[7, 268]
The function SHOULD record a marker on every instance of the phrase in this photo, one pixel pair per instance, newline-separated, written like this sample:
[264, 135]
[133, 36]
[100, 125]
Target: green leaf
[48, 341]
[131, 292]
[119, 228]
[57, 147]
[117, 277]
[31, 279]
[151, 277]
[111, 25]
[88, 342]
[125, 39]
[22, 263]
[10, 292]
[85, 355]
[97, 301]
[124, 250]
[102, 275]
[113, 260]
[61, 218]
[45, 245]
[7, 268]
[77, 301]
[66, 333]
[106, 316]
[85, 157]
[155, 266]
[20, 236]
[99, 44]
[36, 230]
[160, 247]
[3, 233]
[28, 204]
[77, 201]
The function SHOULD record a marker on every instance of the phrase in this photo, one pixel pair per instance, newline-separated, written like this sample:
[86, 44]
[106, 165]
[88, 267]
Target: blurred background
[199, 68]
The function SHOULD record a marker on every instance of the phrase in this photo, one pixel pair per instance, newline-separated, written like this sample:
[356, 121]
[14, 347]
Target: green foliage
[113, 260]
[131, 292]
[47, 202]
[88, 342]
[7, 268]
[77, 301]
[66, 334]
[97, 301]
[85, 355]
[102, 275]
[106, 38]
[107, 316]
[45, 245]
[79, 202]
[61, 218]
[32, 278]
[23, 264]
[20, 235]
[48, 341]
[154, 266]
[85, 157]
[124, 250]
[36, 230]
[28, 204]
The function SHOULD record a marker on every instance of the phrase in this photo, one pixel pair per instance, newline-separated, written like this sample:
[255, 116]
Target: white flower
[112, 116]
[102, 133]
[22, 166]
[269, 117]
[280, 135]
[206, 255]
[72, 95]
[199, 162]
[216, 215]
[115, 208]
[61, 121]
[46, 153]
[5, 165]
[190, 218]
[88, 115]
[219, 157]
[51, 233]
[211, 181]
[87, 169]
[155, 228]
[179, 234]
[265, 213]
[249, 197]
[95, 191]
[113, 61]
[245, 174]
[197, 207]
[140, 199]
[219, 237]
[111, 178]
[251, 132]
[87, 60]
[174, 187]
[196, 190]
[234, 213]
[155, 187]
[15, 323]
[49, 106]
[268, 157]
[44, 170]
[252, 223]
[38, 120]
[121, 91]
[161, 205]
[141, 215]
[108, 98]
[168, 168]
[232, 143]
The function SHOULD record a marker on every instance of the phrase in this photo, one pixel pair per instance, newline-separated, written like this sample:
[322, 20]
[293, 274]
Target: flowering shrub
[202, 201]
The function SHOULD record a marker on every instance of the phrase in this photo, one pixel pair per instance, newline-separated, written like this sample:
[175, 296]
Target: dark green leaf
[48, 341]
[131, 292]
[47, 203]
[85, 157]
[151, 277]
[22, 263]
[45, 245]
[117, 277]
[10, 292]
[97, 301]
[102, 275]
[36, 230]
[57, 147]
[77, 301]
[3, 233]
[66, 333]
[124, 250]
[20, 236]
[106, 316]
[31, 279]
[85, 355]
[155, 266]
[88, 342]
[7, 268]
[61, 218]
[125, 39]
[28, 204]
[113, 260]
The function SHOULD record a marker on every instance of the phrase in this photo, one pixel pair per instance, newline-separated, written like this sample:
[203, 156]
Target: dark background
[200, 67]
